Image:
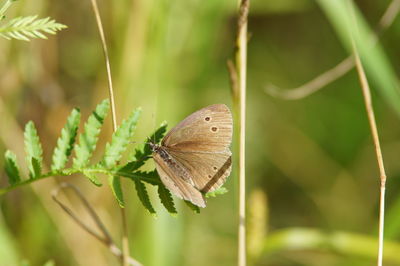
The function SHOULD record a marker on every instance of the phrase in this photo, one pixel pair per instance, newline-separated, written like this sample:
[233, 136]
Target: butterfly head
[154, 147]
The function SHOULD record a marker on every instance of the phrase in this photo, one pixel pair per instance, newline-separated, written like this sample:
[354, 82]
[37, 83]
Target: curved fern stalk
[26, 28]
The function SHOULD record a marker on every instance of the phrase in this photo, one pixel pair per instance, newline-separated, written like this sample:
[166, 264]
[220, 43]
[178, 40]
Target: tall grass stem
[241, 70]
[375, 136]
[125, 242]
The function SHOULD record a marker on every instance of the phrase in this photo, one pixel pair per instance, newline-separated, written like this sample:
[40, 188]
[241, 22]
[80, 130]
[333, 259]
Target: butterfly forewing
[209, 129]
[174, 179]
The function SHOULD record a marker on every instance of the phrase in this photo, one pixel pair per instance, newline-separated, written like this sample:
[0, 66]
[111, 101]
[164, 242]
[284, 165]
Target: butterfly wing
[208, 130]
[173, 177]
[209, 170]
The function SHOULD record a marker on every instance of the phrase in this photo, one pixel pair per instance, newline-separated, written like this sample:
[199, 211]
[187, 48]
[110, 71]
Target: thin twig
[379, 157]
[339, 70]
[108, 65]
[105, 238]
[374, 131]
[125, 242]
[315, 84]
[241, 70]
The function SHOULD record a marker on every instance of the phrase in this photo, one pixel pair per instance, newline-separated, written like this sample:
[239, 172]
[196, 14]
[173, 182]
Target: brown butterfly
[194, 157]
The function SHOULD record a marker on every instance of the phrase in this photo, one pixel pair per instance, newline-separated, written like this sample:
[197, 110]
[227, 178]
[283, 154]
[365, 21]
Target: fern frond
[88, 139]
[141, 154]
[193, 207]
[66, 140]
[30, 27]
[115, 184]
[12, 168]
[144, 197]
[4, 8]
[218, 191]
[92, 177]
[33, 149]
[166, 199]
[120, 140]
[149, 177]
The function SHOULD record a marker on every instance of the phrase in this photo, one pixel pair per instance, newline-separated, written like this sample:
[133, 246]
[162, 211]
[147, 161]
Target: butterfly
[194, 157]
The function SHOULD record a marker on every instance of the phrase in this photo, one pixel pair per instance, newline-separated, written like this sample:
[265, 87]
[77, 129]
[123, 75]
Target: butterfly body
[194, 157]
[171, 162]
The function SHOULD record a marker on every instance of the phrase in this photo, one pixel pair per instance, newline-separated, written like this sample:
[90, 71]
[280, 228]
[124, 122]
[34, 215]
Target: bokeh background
[312, 176]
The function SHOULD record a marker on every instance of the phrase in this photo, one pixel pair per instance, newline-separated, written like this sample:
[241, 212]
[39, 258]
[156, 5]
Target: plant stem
[104, 236]
[71, 171]
[241, 68]
[374, 131]
[125, 242]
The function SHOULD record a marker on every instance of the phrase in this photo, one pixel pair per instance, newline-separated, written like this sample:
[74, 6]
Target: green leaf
[115, 184]
[120, 140]
[92, 177]
[37, 167]
[144, 197]
[148, 177]
[66, 140]
[88, 139]
[26, 28]
[193, 207]
[141, 154]
[33, 149]
[218, 191]
[12, 168]
[166, 199]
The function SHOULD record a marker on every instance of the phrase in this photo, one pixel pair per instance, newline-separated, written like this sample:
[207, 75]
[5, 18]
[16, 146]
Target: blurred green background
[312, 176]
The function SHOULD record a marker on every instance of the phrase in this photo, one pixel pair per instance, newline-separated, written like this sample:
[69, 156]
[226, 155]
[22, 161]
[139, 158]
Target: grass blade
[377, 64]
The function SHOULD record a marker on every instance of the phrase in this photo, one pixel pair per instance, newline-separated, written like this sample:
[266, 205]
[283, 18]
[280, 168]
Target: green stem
[71, 171]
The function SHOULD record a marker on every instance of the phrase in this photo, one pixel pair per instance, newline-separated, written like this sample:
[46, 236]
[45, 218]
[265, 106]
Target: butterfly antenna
[154, 127]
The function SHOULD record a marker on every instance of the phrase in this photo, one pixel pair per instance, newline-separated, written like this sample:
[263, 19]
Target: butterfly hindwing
[208, 170]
